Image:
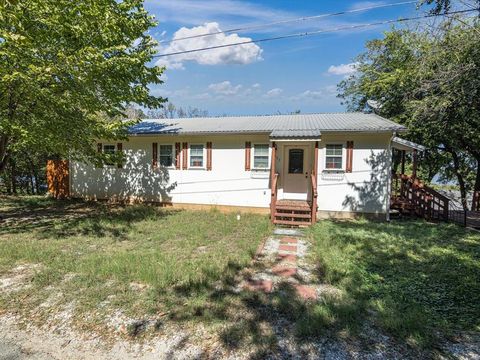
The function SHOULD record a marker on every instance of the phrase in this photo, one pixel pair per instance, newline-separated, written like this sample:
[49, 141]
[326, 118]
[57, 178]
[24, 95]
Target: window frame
[112, 165]
[267, 168]
[172, 146]
[342, 157]
[204, 156]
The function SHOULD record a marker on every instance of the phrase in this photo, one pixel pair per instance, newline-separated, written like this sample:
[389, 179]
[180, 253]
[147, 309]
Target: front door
[296, 172]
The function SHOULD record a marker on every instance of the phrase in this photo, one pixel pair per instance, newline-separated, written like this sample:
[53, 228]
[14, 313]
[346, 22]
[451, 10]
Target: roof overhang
[406, 145]
[295, 135]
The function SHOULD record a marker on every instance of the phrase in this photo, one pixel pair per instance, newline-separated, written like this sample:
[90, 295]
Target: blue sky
[285, 75]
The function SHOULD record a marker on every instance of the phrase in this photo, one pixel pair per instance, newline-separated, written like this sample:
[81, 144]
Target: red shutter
[177, 156]
[248, 147]
[185, 156]
[154, 155]
[349, 166]
[209, 156]
[119, 149]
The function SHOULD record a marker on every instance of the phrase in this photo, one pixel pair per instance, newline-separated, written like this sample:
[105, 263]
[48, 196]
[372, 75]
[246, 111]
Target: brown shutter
[177, 156]
[185, 156]
[99, 147]
[154, 155]
[248, 147]
[349, 165]
[209, 156]
[119, 149]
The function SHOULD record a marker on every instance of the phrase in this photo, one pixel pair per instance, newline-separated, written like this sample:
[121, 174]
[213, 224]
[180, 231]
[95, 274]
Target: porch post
[414, 170]
[403, 163]
[314, 184]
[273, 161]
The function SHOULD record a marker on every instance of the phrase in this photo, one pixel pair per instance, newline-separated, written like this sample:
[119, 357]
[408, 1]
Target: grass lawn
[141, 260]
[414, 280]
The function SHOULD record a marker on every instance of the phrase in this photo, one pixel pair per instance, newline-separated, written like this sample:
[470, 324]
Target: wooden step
[292, 208]
[291, 223]
[293, 215]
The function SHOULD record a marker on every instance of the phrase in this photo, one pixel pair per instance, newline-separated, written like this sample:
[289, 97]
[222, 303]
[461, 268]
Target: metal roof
[289, 134]
[406, 145]
[325, 122]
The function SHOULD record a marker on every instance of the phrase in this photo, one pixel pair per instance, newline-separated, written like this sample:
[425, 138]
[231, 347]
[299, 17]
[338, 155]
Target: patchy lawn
[102, 264]
[416, 281]
[148, 276]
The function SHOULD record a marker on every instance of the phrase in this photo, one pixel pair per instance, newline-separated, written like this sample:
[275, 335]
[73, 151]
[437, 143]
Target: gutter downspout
[389, 176]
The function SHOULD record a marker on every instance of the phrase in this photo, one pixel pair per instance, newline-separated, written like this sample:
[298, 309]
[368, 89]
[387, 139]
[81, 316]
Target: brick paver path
[285, 268]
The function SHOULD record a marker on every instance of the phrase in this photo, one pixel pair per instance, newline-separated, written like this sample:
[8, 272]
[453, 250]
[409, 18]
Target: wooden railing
[427, 202]
[314, 198]
[273, 201]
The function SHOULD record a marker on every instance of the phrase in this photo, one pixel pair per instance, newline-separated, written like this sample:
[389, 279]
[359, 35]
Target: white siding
[363, 190]
[226, 184]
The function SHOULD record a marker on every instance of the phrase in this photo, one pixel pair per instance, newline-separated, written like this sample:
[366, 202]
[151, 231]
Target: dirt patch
[19, 277]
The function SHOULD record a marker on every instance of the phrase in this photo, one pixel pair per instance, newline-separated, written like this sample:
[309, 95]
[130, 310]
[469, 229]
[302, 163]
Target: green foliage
[429, 81]
[68, 70]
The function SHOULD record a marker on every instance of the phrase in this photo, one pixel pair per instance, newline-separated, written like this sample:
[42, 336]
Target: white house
[339, 164]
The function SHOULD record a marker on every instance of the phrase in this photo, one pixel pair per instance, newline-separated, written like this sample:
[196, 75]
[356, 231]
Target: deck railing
[314, 198]
[427, 202]
[273, 200]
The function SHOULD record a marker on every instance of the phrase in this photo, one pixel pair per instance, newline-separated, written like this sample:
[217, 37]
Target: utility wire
[305, 18]
[317, 32]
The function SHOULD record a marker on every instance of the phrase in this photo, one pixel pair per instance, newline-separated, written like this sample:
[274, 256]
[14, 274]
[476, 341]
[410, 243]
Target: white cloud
[326, 93]
[225, 88]
[239, 54]
[366, 4]
[343, 69]
[256, 86]
[273, 93]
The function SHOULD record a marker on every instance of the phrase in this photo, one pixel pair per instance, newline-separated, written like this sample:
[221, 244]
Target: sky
[266, 78]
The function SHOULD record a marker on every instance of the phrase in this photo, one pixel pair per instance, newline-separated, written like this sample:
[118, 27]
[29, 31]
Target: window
[260, 156]
[109, 150]
[166, 155]
[196, 155]
[295, 161]
[334, 157]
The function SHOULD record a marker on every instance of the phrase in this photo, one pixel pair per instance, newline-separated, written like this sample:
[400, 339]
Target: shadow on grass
[62, 218]
[414, 279]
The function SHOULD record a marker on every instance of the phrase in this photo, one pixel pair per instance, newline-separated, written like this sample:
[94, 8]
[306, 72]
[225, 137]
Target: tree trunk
[461, 180]
[476, 188]
[4, 156]
[13, 177]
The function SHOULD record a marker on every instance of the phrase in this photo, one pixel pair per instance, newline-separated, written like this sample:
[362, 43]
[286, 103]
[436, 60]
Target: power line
[317, 32]
[305, 18]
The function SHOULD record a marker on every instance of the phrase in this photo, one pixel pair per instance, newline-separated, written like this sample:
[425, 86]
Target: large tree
[429, 81]
[68, 70]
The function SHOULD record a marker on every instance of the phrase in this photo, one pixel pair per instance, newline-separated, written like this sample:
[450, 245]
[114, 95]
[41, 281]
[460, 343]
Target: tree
[430, 82]
[171, 111]
[68, 70]
[441, 6]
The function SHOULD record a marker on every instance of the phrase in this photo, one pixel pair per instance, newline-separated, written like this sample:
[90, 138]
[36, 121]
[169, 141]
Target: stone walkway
[282, 260]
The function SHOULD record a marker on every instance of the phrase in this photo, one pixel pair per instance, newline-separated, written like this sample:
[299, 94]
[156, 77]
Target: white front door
[296, 172]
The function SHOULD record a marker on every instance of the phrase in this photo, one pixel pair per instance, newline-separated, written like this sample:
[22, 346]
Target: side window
[334, 157]
[109, 149]
[196, 156]
[166, 155]
[260, 156]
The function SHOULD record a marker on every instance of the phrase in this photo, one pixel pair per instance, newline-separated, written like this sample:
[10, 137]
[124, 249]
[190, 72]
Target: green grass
[414, 280]
[142, 260]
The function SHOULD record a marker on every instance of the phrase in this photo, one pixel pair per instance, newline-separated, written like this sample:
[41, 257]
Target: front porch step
[292, 223]
[292, 213]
